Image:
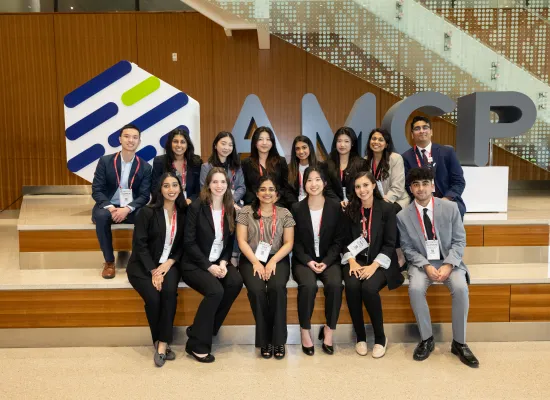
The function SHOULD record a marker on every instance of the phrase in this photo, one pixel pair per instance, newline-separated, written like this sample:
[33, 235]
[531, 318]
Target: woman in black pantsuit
[370, 221]
[152, 268]
[316, 255]
[265, 234]
[208, 243]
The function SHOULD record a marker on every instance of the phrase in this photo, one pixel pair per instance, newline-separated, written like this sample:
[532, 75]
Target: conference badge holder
[357, 246]
[432, 249]
[216, 250]
[126, 197]
[316, 244]
[262, 251]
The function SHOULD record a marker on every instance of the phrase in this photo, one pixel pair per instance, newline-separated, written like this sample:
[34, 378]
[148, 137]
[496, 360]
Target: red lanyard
[173, 227]
[374, 168]
[421, 221]
[183, 172]
[273, 225]
[221, 223]
[341, 175]
[418, 159]
[300, 180]
[260, 168]
[363, 222]
[233, 178]
[118, 177]
[320, 223]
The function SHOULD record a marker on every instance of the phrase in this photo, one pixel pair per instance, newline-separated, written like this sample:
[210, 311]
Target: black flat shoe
[209, 358]
[423, 349]
[267, 351]
[188, 331]
[279, 351]
[465, 354]
[326, 348]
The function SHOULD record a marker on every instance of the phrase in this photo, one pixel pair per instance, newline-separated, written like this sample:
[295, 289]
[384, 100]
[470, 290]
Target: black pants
[219, 295]
[160, 307]
[268, 301]
[366, 291]
[101, 217]
[307, 290]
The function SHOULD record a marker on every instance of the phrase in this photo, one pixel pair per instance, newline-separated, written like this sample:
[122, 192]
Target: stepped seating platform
[50, 277]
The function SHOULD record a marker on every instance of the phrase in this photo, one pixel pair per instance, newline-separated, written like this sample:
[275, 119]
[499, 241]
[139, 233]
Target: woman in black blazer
[208, 243]
[371, 230]
[265, 160]
[343, 163]
[152, 268]
[180, 159]
[318, 239]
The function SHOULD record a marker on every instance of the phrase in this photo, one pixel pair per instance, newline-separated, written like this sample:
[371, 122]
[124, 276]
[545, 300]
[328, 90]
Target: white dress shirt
[167, 245]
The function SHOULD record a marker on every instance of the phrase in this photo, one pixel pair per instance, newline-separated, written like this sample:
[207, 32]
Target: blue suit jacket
[449, 177]
[105, 184]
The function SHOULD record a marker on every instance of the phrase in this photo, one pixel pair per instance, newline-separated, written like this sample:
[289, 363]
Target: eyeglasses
[417, 184]
[264, 190]
[421, 128]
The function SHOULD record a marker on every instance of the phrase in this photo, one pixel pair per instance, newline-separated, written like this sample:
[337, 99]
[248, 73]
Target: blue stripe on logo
[162, 140]
[155, 115]
[91, 121]
[98, 83]
[147, 153]
[85, 158]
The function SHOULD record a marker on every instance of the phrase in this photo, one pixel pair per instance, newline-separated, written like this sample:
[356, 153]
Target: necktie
[428, 225]
[424, 158]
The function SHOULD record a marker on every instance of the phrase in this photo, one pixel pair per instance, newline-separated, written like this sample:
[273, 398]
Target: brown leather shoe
[109, 271]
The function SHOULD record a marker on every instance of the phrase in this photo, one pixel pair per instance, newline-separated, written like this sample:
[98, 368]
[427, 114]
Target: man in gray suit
[433, 241]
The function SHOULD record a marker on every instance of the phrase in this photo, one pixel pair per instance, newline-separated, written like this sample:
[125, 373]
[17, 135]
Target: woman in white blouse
[152, 268]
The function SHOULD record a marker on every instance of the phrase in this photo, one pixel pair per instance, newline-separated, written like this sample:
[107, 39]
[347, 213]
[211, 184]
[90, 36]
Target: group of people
[222, 223]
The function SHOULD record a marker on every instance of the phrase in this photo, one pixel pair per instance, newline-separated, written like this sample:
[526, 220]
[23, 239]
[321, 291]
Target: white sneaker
[361, 348]
[378, 351]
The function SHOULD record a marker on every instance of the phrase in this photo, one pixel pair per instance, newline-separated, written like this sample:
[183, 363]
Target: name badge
[432, 249]
[357, 246]
[126, 197]
[380, 187]
[301, 197]
[344, 192]
[262, 252]
[430, 159]
[216, 250]
[316, 244]
[233, 192]
[165, 253]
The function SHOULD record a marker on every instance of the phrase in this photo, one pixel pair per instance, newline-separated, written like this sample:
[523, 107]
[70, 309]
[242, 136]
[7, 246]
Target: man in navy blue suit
[449, 177]
[121, 186]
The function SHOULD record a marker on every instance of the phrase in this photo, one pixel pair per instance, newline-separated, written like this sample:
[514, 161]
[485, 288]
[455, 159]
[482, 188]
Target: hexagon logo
[123, 94]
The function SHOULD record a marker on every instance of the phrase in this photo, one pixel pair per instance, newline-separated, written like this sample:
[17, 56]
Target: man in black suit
[121, 186]
[449, 176]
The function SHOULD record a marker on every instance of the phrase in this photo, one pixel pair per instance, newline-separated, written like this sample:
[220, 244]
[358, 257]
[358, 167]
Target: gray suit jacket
[449, 230]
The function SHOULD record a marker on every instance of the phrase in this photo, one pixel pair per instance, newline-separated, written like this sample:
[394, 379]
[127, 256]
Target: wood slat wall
[45, 56]
[530, 303]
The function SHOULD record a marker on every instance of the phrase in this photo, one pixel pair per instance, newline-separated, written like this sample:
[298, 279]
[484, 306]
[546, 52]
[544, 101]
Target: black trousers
[160, 307]
[365, 291]
[268, 301]
[219, 295]
[101, 217]
[307, 290]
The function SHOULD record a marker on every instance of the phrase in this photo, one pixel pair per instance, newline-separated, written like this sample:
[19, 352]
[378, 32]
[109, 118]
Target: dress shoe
[378, 351]
[109, 270]
[188, 331]
[309, 351]
[465, 354]
[361, 348]
[159, 359]
[209, 358]
[326, 348]
[170, 355]
[423, 349]
[267, 351]
[279, 351]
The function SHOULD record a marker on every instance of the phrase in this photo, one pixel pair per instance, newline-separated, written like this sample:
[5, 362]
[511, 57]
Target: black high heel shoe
[267, 351]
[326, 348]
[279, 351]
[309, 351]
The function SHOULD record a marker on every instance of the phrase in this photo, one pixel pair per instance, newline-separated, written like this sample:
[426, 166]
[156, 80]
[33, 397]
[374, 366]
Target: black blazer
[193, 186]
[332, 234]
[384, 234]
[148, 241]
[105, 185]
[333, 175]
[199, 236]
[252, 177]
[329, 193]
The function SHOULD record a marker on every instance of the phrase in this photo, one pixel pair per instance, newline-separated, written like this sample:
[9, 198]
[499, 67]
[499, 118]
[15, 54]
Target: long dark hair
[233, 160]
[354, 151]
[293, 166]
[273, 157]
[189, 154]
[228, 203]
[256, 202]
[158, 198]
[353, 209]
[384, 165]
[308, 171]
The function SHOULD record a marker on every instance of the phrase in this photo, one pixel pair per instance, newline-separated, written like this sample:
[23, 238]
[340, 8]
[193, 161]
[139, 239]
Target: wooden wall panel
[71, 240]
[29, 121]
[520, 169]
[474, 235]
[530, 303]
[516, 235]
[190, 36]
